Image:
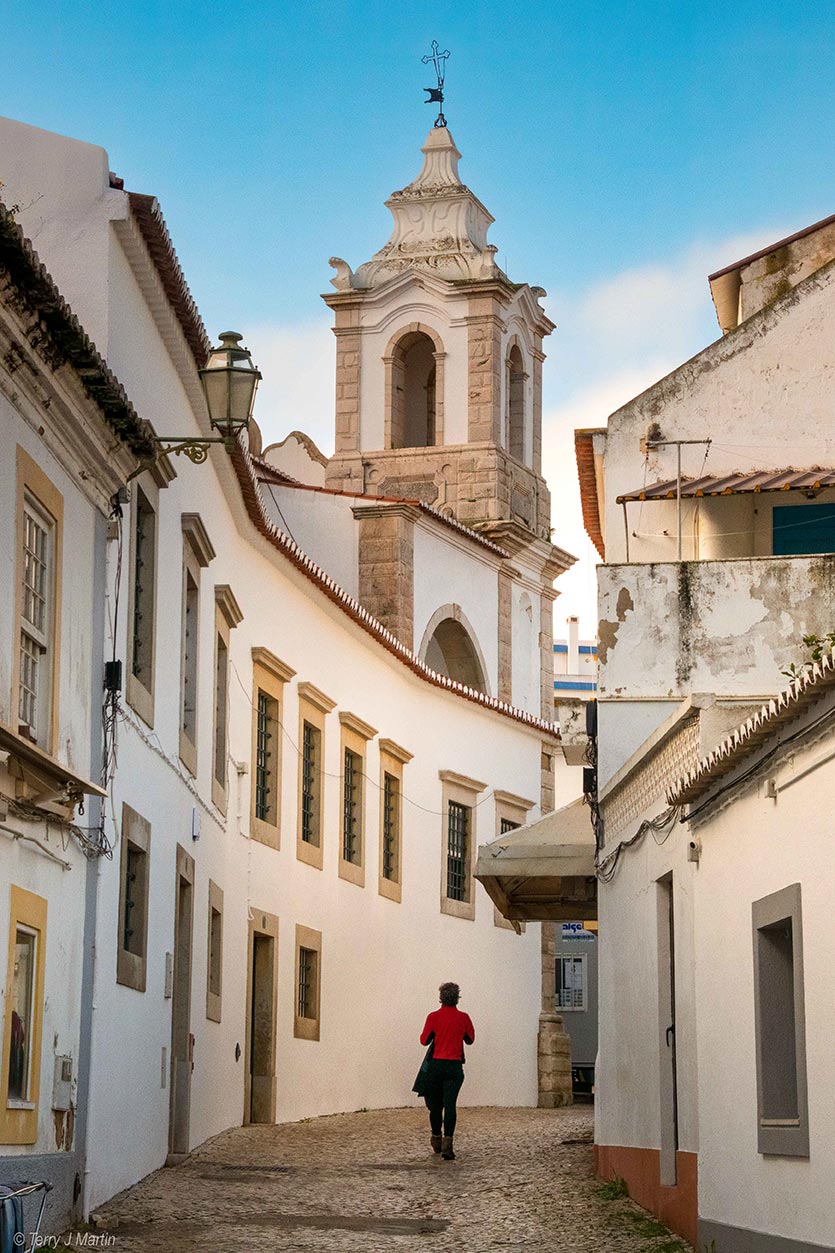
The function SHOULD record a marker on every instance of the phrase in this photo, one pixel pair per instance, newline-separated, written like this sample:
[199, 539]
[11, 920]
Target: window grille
[391, 802]
[143, 591]
[351, 806]
[508, 825]
[571, 982]
[457, 851]
[265, 736]
[307, 983]
[132, 920]
[310, 780]
[35, 627]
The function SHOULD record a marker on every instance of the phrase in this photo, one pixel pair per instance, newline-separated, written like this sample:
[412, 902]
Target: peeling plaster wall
[763, 393]
[729, 627]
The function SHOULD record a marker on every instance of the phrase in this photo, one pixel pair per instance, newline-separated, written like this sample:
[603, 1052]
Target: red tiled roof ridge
[431, 510]
[740, 742]
[152, 226]
[242, 462]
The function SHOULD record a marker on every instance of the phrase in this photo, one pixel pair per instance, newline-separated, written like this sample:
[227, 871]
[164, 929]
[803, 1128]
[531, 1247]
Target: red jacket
[453, 1029]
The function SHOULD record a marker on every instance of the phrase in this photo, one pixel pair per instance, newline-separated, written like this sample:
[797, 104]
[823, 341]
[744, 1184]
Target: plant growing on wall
[817, 646]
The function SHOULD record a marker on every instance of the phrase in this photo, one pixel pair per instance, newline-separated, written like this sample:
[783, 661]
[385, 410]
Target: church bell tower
[439, 364]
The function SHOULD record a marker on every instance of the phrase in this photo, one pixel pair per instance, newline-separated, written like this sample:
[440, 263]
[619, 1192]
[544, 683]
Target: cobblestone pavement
[522, 1182]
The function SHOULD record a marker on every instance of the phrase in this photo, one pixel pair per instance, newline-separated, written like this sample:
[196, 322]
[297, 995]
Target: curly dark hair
[449, 993]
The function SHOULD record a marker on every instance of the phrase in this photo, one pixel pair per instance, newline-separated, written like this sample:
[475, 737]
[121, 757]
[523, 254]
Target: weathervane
[436, 94]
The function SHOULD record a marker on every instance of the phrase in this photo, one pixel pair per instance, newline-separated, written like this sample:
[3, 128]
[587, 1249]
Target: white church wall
[323, 525]
[449, 572]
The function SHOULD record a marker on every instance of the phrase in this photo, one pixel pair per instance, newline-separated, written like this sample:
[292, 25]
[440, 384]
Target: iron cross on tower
[436, 94]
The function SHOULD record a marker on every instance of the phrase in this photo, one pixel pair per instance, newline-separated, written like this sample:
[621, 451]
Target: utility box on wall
[62, 1084]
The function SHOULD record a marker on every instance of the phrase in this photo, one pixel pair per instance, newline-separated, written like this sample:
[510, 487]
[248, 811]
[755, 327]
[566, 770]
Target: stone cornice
[273, 665]
[461, 780]
[389, 748]
[515, 802]
[197, 536]
[316, 697]
[228, 605]
[357, 725]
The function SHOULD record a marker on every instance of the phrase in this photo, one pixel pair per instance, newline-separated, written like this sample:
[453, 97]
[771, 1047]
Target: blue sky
[625, 150]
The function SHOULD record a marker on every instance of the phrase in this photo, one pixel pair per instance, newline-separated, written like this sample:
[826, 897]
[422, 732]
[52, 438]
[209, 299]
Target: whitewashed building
[329, 697]
[762, 944]
[70, 439]
[710, 498]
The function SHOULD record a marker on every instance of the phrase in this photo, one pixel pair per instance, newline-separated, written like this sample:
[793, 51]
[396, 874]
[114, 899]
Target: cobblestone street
[368, 1182]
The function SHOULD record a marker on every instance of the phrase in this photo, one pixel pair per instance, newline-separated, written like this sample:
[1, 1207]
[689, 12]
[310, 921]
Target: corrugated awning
[735, 484]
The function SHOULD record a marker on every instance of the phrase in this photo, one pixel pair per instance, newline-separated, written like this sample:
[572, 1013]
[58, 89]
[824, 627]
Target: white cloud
[297, 393]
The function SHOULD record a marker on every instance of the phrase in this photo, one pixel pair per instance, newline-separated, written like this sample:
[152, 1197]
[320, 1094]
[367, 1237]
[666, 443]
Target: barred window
[311, 748]
[144, 574]
[391, 833]
[266, 737]
[458, 887]
[507, 824]
[308, 958]
[35, 688]
[351, 806]
[571, 982]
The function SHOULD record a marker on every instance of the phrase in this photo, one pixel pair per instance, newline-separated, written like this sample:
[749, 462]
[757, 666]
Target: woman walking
[449, 1029]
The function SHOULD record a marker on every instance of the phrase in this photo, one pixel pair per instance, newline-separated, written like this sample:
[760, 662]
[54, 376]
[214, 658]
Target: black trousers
[445, 1079]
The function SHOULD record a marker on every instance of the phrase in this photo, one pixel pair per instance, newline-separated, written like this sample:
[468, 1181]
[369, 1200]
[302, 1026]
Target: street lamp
[229, 381]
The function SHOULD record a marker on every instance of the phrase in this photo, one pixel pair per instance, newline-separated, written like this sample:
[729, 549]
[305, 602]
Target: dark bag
[422, 1077]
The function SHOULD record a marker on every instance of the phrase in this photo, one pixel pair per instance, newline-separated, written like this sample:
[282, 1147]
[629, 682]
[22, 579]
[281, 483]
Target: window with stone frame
[354, 738]
[197, 554]
[392, 760]
[308, 981]
[142, 606]
[36, 652]
[227, 616]
[134, 877]
[780, 1026]
[20, 1067]
[460, 804]
[314, 706]
[269, 676]
[37, 619]
[214, 954]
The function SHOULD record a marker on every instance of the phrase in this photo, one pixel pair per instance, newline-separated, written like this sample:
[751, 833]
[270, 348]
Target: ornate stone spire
[439, 226]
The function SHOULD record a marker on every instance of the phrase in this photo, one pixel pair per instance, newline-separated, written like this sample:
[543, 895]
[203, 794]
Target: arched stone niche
[450, 646]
